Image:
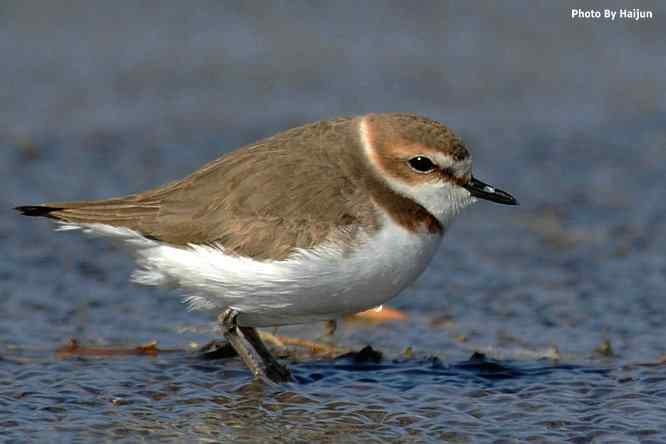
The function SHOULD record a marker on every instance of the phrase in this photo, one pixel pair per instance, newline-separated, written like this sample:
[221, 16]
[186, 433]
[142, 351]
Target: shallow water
[179, 397]
[564, 295]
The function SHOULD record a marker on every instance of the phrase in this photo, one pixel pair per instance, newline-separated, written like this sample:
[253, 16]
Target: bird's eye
[421, 164]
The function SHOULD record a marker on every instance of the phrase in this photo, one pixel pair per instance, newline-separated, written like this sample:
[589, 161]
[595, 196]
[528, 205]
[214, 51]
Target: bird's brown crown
[414, 149]
[413, 129]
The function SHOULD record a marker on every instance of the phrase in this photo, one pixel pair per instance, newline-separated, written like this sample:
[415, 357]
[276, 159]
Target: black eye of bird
[421, 164]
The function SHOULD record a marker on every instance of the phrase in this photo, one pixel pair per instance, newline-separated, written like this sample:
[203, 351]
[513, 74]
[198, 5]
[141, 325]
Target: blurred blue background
[106, 98]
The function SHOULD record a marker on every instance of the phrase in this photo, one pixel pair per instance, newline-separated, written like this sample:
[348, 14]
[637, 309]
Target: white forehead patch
[441, 159]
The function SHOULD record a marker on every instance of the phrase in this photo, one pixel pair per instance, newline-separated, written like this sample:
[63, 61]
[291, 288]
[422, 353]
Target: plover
[310, 224]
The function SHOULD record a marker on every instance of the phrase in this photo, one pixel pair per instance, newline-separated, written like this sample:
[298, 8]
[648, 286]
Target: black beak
[485, 191]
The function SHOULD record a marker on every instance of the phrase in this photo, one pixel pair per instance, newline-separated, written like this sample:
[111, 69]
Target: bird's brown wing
[293, 190]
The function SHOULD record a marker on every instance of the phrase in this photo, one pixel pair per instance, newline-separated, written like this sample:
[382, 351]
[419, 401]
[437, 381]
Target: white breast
[310, 285]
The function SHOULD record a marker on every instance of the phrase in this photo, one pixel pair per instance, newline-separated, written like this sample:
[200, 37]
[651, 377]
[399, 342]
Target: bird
[310, 224]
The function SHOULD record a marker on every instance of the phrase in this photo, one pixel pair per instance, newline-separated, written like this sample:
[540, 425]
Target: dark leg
[275, 371]
[244, 349]
[251, 350]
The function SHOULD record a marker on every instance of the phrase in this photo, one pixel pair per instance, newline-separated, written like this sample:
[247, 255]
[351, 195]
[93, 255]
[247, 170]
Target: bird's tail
[124, 212]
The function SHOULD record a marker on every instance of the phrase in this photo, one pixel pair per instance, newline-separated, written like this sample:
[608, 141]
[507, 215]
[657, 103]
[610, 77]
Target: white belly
[310, 285]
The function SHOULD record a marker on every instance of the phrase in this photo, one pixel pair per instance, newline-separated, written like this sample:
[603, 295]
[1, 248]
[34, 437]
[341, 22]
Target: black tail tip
[35, 210]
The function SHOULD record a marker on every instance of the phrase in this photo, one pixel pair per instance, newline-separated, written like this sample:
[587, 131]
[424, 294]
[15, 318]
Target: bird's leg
[251, 350]
[247, 353]
[275, 371]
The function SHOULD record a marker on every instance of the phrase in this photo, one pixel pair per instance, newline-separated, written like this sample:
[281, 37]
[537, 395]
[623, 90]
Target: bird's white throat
[444, 200]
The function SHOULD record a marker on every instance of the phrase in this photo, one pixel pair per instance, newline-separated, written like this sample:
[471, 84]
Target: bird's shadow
[370, 366]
